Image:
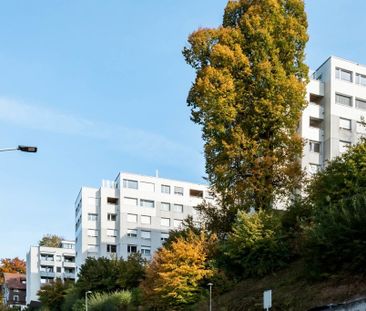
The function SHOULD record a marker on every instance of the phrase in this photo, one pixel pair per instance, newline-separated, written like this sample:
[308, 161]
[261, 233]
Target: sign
[267, 299]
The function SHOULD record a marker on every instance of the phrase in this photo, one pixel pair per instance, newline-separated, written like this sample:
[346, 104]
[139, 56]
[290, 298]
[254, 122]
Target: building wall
[45, 264]
[119, 198]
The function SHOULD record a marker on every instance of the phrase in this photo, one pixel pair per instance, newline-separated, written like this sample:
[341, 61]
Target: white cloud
[129, 140]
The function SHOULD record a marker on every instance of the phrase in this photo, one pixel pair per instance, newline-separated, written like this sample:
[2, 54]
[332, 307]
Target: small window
[146, 235]
[314, 122]
[345, 124]
[113, 201]
[147, 203]
[132, 218]
[92, 217]
[196, 193]
[16, 298]
[145, 250]
[343, 146]
[164, 236]
[58, 258]
[58, 269]
[344, 100]
[131, 184]
[178, 208]
[131, 248]
[145, 220]
[164, 206]
[132, 233]
[130, 201]
[111, 248]
[314, 146]
[360, 79]
[111, 233]
[92, 233]
[177, 223]
[343, 74]
[165, 189]
[165, 222]
[111, 217]
[178, 190]
[361, 104]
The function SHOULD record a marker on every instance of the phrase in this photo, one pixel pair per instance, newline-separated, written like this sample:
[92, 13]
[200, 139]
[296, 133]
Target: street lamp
[21, 148]
[210, 285]
[86, 299]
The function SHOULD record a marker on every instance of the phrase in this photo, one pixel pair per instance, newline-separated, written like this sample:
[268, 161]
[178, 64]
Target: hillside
[290, 292]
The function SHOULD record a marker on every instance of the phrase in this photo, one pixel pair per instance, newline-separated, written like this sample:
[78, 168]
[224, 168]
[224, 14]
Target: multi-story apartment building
[46, 264]
[337, 105]
[134, 213]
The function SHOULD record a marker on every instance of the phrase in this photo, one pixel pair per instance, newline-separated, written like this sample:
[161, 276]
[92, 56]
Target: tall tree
[248, 96]
[51, 240]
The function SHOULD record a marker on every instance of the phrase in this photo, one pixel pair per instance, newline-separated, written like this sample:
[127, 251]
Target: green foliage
[257, 245]
[116, 301]
[52, 295]
[51, 240]
[107, 275]
[248, 96]
[71, 297]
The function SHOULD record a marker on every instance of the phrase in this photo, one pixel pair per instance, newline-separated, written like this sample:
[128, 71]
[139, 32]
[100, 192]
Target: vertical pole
[210, 284]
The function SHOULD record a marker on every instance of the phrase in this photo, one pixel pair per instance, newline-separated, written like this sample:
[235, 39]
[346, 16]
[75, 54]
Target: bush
[116, 301]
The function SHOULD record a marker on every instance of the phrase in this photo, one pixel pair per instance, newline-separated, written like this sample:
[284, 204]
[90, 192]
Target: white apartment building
[134, 213]
[337, 105]
[46, 264]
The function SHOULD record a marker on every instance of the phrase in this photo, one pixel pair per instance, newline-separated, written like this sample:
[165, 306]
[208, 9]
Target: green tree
[51, 240]
[52, 295]
[248, 96]
[174, 276]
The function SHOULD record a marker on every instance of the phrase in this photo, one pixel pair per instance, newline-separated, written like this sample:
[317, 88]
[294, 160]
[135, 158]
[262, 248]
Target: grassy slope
[290, 291]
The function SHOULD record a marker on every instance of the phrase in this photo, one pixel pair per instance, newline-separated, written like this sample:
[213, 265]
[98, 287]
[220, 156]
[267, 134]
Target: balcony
[47, 274]
[69, 264]
[315, 110]
[316, 87]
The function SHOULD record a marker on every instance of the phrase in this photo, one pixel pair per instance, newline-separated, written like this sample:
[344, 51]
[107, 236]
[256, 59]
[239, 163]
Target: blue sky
[100, 87]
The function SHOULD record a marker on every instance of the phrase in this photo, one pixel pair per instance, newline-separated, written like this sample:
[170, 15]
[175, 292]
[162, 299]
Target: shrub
[116, 301]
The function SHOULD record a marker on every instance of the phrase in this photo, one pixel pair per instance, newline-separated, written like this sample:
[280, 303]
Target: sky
[100, 87]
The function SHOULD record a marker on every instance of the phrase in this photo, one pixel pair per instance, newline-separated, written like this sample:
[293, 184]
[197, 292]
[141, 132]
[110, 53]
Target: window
[147, 186]
[164, 236]
[132, 233]
[93, 232]
[360, 104]
[46, 269]
[111, 248]
[146, 219]
[343, 74]
[314, 122]
[68, 245]
[360, 79]
[58, 258]
[145, 250]
[177, 223]
[178, 190]
[314, 168]
[343, 146]
[111, 233]
[345, 124]
[111, 217]
[128, 183]
[58, 269]
[165, 222]
[47, 257]
[130, 201]
[344, 100]
[196, 193]
[16, 298]
[92, 217]
[165, 189]
[178, 208]
[165, 206]
[361, 127]
[131, 248]
[146, 235]
[132, 218]
[147, 203]
[113, 201]
[314, 146]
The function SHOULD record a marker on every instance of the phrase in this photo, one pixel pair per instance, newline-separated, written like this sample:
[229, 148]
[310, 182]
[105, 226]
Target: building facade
[337, 105]
[14, 290]
[132, 214]
[46, 264]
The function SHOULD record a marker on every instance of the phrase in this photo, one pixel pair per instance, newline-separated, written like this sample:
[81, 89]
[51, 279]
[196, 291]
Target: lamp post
[210, 285]
[86, 299]
[21, 148]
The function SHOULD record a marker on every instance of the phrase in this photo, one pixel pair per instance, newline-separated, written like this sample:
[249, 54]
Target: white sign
[267, 299]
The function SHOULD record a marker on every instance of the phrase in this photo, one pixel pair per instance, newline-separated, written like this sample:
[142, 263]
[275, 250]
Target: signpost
[267, 299]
